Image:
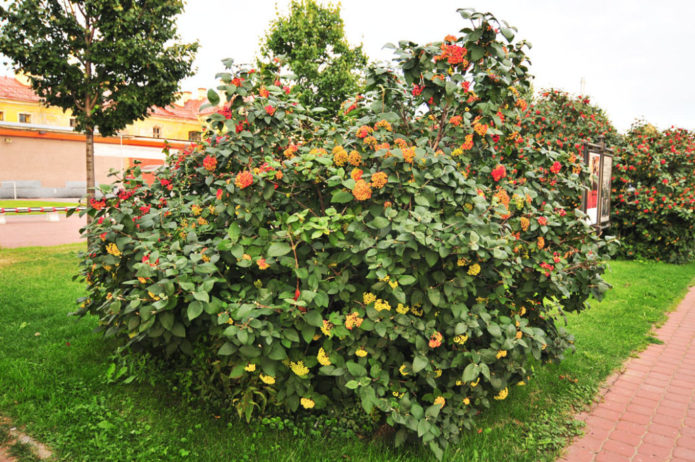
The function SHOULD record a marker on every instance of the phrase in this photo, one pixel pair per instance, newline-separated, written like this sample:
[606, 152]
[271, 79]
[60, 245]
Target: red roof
[190, 110]
[11, 89]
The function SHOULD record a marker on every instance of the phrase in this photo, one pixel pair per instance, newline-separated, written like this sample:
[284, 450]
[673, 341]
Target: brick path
[36, 230]
[648, 412]
[5, 456]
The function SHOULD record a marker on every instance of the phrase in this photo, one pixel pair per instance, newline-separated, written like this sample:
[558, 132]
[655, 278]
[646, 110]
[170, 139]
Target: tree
[107, 61]
[311, 42]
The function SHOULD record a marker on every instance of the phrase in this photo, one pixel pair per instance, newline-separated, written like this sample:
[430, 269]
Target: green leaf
[278, 249]
[417, 411]
[179, 330]
[508, 33]
[476, 53]
[406, 280]
[356, 370]
[494, 330]
[237, 371]
[234, 231]
[213, 97]
[195, 308]
[419, 363]
[470, 373]
[352, 384]
[277, 352]
[341, 197]
[434, 295]
[314, 318]
[167, 319]
[202, 296]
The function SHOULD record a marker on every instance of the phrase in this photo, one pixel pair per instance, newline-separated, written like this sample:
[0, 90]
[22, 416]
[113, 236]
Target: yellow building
[42, 156]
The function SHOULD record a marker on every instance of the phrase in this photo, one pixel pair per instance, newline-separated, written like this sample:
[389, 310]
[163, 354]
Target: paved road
[648, 412]
[36, 230]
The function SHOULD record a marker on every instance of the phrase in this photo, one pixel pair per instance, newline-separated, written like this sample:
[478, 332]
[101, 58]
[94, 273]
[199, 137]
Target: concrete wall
[49, 168]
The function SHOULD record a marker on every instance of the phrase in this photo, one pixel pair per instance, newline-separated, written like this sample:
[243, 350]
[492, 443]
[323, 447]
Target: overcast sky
[636, 56]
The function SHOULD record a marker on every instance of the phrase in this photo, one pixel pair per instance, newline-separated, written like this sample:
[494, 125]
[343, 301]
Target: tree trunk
[89, 132]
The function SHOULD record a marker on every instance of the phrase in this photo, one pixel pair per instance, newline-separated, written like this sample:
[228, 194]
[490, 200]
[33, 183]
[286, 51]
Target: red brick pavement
[648, 412]
[36, 230]
[5, 456]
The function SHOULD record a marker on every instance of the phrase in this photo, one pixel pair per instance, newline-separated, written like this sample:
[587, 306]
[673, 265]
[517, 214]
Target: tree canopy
[108, 61]
[310, 43]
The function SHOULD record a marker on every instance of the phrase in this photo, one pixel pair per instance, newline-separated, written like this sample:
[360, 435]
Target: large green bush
[654, 194]
[407, 256]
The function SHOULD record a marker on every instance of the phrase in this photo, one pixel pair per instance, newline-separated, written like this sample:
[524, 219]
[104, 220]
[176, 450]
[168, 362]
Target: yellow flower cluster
[402, 370]
[368, 298]
[393, 284]
[307, 403]
[291, 151]
[323, 358]
[340, 156]
[402, 309]
[353, 320]
[501, 354]
[362, 191]
[381, 305]
[456, 152]
[379, 179]
[474, 269]
[524, 223]
[383, 124]
[371, 141]
[318, 152]
[354, 158]
[480, 129]
[408, 155]
[361, 352]
[541, 242]
[414, 309]
[440, 400]
[299, 368]
[196, 209]
[460, 339]
[267, 379]
[502, 394]
[326, 328]
[113, 250]
[250, 367]
[461, 262]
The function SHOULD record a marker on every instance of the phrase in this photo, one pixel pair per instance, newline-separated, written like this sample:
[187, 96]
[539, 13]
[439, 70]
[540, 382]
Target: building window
[193, 136]
[24, 118]
[73, 122]
[156, 132]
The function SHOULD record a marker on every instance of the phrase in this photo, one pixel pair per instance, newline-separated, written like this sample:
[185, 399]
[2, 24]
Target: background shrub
[654, 194]
[409, 256]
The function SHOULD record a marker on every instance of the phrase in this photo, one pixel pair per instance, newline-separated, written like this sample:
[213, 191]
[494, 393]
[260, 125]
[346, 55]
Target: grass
[10, 203]
[55, 381]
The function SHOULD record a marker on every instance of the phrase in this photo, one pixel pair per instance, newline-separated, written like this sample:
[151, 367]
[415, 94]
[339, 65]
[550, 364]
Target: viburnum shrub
[407, 256]
[564, 123]
[654, 194]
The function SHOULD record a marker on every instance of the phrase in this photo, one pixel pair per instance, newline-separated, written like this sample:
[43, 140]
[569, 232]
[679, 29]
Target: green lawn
[54, 381]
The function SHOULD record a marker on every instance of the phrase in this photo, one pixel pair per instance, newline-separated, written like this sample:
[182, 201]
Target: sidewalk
[648, 412]
[36, 230]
